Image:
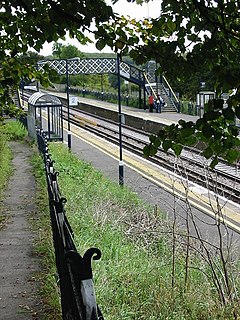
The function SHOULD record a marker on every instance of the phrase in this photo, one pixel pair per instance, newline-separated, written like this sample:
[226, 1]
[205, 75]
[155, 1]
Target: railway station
[90, 112]
[119, 160]
[111, 138]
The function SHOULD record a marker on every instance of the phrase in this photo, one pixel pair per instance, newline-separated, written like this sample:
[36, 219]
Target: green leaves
[149, 150]
[25, 24]
[167, 144]
[216, 129]
[237, 111]
[177, 148]
[207, 153]
[214, 162]
[207, 130]
[100, 44]
[232, 155]
[228, 114]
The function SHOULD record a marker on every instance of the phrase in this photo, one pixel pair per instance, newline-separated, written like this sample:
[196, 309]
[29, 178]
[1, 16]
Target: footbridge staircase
[158, 85]
[146, 79]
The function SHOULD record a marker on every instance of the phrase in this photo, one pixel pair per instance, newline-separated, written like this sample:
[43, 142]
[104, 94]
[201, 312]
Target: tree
[189, 88]
[30, 57]
[25, 24]
[187, 34]
[113, 80]
[62, 51]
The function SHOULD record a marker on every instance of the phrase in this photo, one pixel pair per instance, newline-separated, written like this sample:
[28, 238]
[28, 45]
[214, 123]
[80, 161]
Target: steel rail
[189, 168]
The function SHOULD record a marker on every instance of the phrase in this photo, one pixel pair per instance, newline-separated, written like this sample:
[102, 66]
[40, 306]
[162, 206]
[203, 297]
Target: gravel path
[18, 265]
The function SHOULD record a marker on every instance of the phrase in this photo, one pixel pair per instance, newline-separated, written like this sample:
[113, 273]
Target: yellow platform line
[203, 202]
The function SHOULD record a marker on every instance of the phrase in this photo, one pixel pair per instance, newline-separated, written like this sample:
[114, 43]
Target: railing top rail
[153, 91]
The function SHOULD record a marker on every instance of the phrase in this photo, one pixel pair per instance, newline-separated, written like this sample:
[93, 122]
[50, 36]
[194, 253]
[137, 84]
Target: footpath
[18, 265]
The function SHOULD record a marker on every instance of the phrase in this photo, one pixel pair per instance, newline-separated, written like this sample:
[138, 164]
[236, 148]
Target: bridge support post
[144, 98]
[140, 97]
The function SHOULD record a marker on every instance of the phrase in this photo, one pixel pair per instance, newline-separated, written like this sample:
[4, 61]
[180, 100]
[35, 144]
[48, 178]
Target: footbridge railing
[76, 66]
[170, 93]
[78, 298]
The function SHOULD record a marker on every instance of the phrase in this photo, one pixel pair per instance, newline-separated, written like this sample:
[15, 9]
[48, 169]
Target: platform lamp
[121, 174]
[68, 109]
[102, 86]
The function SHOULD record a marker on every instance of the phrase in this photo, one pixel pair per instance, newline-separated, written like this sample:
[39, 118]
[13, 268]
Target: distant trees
[69, 51]
[30, 57]
[189, 88]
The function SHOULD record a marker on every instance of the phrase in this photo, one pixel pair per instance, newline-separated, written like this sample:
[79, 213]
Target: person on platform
[160, 103]
[151, 103]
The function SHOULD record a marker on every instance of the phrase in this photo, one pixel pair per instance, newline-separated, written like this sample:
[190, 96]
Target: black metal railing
[23, 119]
[78, 299]
[128, 100]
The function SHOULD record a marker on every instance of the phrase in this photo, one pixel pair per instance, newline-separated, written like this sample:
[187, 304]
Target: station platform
[137, 118]
[164, 117]
[153, 185]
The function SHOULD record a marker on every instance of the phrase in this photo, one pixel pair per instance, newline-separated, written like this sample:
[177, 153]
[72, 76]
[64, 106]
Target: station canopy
[41, 99]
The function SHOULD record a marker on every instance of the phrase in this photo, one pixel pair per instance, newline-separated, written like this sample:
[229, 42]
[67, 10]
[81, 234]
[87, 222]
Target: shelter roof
[43, 99]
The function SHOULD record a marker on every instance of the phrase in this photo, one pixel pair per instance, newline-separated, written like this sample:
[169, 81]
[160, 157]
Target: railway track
[224, 180]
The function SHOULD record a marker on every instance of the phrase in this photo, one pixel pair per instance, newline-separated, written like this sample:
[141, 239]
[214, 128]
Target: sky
[151, 9]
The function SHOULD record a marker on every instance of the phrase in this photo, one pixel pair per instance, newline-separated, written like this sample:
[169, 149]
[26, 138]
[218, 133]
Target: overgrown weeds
[13, 130]
[135, 279]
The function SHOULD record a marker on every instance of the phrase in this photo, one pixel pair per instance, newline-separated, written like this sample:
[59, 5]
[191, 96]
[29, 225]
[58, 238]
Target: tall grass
[5, 170]
[133, 278]
[13, 130]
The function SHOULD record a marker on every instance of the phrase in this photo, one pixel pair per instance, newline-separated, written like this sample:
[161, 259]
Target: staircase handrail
[172, 93]
[154, 93]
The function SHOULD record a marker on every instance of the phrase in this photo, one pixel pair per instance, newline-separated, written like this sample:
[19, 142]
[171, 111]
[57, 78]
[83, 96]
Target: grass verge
[133, 280]
[11, 130]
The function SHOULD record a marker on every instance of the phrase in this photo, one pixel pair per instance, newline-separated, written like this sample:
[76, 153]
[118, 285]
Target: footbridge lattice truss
[142, 78]
[95, 66]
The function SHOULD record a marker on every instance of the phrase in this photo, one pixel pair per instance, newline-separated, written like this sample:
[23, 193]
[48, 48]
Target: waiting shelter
[202, 98]
[45, 112]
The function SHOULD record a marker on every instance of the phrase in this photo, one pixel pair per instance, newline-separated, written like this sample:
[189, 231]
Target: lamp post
[121, 176]
[102, 86]
[67, 91]
[156, 79]
[68, 109]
